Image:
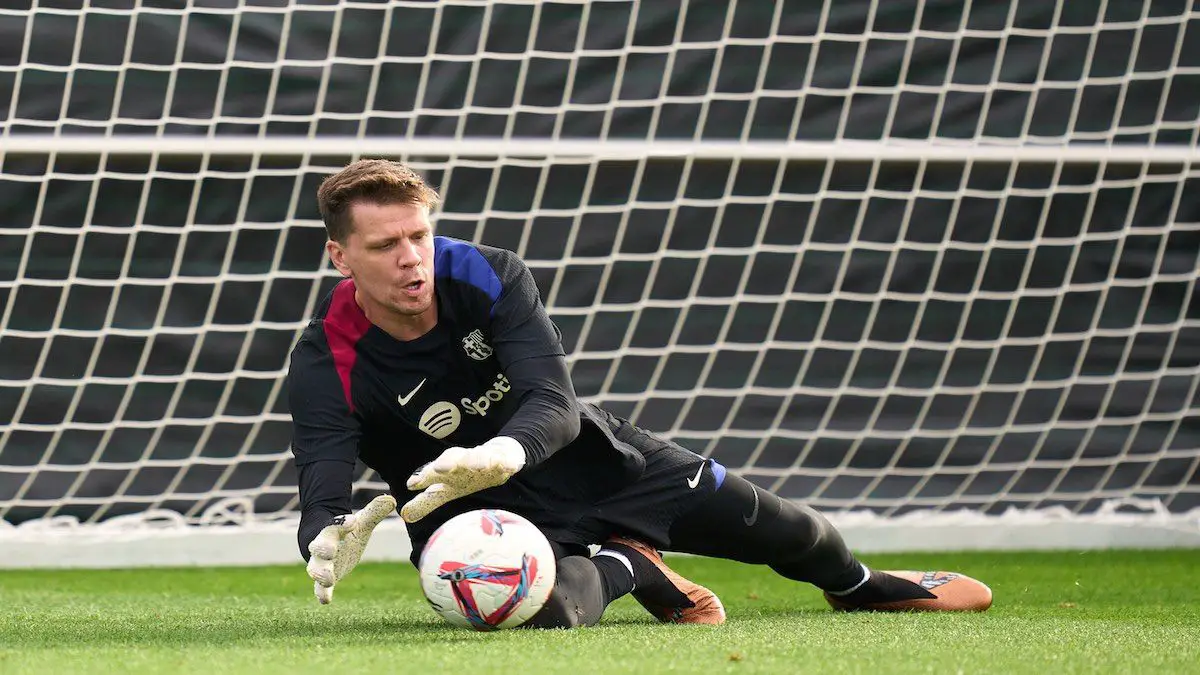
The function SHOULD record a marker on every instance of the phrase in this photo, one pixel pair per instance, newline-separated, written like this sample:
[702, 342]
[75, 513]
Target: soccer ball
[487, 570]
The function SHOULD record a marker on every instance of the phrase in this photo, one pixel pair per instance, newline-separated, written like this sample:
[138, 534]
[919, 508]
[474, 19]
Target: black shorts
[675, 481]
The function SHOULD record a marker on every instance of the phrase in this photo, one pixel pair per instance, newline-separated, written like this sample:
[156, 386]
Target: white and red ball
[487, 570]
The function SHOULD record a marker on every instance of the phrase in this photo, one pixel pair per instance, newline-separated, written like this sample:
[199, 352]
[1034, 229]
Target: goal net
[932, 271]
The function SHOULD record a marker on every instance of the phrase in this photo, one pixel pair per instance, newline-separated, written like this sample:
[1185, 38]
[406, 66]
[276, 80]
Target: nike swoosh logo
[403, 400]
[694, 481]
[753, 517]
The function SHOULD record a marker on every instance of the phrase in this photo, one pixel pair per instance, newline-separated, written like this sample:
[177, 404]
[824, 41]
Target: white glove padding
[461, 471]
[338, 547]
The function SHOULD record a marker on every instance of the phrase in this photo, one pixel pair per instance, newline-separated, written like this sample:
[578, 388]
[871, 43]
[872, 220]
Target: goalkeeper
[436, 365]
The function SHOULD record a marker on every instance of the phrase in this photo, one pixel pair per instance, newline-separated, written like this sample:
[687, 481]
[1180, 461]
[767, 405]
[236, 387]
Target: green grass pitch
[1073, 612]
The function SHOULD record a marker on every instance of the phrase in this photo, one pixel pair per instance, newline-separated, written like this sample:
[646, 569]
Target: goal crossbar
[941, 151]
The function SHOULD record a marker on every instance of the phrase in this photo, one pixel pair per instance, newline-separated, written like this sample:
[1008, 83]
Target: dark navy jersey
[492, 366]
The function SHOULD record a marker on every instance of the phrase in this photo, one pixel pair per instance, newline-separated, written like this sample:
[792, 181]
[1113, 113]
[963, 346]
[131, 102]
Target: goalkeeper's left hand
[461, 471]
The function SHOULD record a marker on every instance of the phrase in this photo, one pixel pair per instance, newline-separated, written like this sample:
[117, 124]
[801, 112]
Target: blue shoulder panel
[463, 262]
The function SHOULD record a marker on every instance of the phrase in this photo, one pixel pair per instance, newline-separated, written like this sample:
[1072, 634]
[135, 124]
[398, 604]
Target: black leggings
[737, 522]
[578, 597]
[749, 524]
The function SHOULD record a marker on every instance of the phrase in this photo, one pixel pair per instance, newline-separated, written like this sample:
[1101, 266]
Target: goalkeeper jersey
[493, 365]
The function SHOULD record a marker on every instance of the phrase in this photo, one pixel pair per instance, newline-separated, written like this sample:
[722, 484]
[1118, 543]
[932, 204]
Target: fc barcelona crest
[475, 347]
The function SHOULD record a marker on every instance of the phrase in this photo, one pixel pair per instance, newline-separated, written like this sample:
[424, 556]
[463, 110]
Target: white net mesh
[987, 315]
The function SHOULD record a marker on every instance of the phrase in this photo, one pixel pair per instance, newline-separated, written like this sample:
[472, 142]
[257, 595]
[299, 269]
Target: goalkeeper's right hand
[338, 548]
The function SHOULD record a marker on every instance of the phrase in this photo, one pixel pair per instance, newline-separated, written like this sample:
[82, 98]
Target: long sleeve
[325, 488]
[548, 418]
[529, 348]
[325, 437]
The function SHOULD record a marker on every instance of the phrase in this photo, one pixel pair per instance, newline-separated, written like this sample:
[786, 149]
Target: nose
[407, 254]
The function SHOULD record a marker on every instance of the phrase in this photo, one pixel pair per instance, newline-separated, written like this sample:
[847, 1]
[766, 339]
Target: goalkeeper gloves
[461, 471]
[338, 547]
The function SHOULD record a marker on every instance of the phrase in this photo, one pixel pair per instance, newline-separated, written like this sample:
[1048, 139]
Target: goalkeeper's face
[389, 254]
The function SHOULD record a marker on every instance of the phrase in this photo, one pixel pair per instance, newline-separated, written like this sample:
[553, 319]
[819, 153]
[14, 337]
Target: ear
[337, 256]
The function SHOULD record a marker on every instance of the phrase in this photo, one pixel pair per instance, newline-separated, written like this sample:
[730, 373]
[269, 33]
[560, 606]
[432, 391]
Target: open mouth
[414, 286]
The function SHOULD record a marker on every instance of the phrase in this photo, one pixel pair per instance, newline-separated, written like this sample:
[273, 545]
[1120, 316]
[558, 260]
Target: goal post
[934, 275]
